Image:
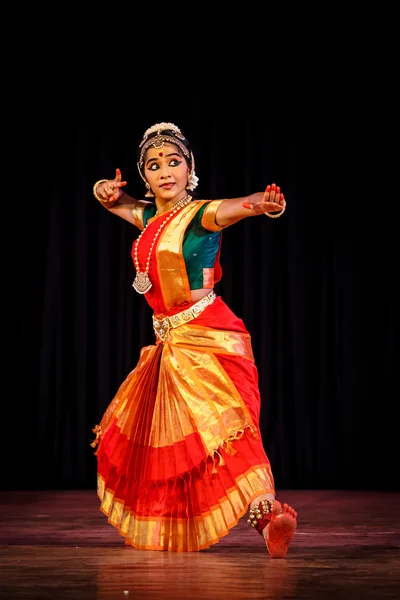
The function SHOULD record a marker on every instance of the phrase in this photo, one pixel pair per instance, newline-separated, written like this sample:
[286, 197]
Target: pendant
[142, 283]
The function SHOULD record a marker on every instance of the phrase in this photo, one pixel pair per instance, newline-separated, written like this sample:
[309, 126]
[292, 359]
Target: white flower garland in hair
[161, 126]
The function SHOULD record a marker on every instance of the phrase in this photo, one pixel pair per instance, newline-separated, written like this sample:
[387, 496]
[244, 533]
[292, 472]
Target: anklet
[260, 516]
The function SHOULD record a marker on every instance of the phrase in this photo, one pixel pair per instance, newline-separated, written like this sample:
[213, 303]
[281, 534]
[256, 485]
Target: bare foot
[280, 531]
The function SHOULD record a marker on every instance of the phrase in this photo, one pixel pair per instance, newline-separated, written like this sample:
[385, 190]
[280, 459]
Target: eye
[174, 162]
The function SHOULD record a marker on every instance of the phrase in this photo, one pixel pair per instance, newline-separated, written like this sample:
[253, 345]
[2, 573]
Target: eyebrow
[166, 156]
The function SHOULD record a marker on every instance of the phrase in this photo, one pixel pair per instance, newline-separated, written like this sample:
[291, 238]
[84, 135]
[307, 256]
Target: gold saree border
[194, 533]
[171, 268]
[216, 341]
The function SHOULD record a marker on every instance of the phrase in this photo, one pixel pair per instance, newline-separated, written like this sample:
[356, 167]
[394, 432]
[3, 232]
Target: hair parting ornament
[166, 133]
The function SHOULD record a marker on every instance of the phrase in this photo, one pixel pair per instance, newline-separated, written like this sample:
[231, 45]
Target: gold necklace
[142, 282]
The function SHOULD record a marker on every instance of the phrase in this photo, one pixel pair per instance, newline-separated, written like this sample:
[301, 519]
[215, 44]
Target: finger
[118, 175]
[247, 205]
[266, 194]
[103, 193]
[273, 192]
[112, 196]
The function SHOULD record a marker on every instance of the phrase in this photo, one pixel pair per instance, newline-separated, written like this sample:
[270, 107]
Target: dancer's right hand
[110, 190]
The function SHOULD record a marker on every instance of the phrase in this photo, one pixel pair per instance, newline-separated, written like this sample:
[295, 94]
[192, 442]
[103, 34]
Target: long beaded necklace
[142, 282]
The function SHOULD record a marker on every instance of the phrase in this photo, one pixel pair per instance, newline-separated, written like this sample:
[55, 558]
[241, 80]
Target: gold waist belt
[162, 326]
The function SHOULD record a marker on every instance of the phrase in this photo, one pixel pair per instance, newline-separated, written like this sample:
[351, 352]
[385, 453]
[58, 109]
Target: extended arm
[270, 202]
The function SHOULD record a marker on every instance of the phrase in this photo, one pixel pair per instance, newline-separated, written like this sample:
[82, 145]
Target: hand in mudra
[110, 190]
[272, 201]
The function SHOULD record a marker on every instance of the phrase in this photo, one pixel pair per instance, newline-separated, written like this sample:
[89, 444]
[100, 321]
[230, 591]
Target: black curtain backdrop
[315, 291]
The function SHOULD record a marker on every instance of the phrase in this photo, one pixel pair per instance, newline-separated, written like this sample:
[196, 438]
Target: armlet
[138, 211]
[208, 217]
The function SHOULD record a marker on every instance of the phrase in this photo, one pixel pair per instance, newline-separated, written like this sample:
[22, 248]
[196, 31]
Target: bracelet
[272, 216]
[106, 202]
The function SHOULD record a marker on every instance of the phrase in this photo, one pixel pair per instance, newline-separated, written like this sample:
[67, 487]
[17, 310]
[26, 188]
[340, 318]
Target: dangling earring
[149, 193]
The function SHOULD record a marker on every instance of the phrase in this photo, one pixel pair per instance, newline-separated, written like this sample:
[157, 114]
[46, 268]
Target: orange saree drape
[180, 455]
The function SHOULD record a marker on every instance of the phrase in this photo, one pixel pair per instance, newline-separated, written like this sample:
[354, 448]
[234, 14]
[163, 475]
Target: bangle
[106, 202]
[272, 216]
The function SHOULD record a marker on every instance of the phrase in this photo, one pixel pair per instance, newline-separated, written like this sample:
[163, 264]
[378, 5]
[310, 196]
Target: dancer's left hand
[271, 201]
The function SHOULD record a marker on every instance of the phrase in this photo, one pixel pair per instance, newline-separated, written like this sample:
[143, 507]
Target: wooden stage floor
[58, 546]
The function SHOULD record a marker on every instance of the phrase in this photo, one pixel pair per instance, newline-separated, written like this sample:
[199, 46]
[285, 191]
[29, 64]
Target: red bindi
[160, 154]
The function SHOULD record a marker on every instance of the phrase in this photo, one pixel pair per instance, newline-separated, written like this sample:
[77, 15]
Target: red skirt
[180, 455]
